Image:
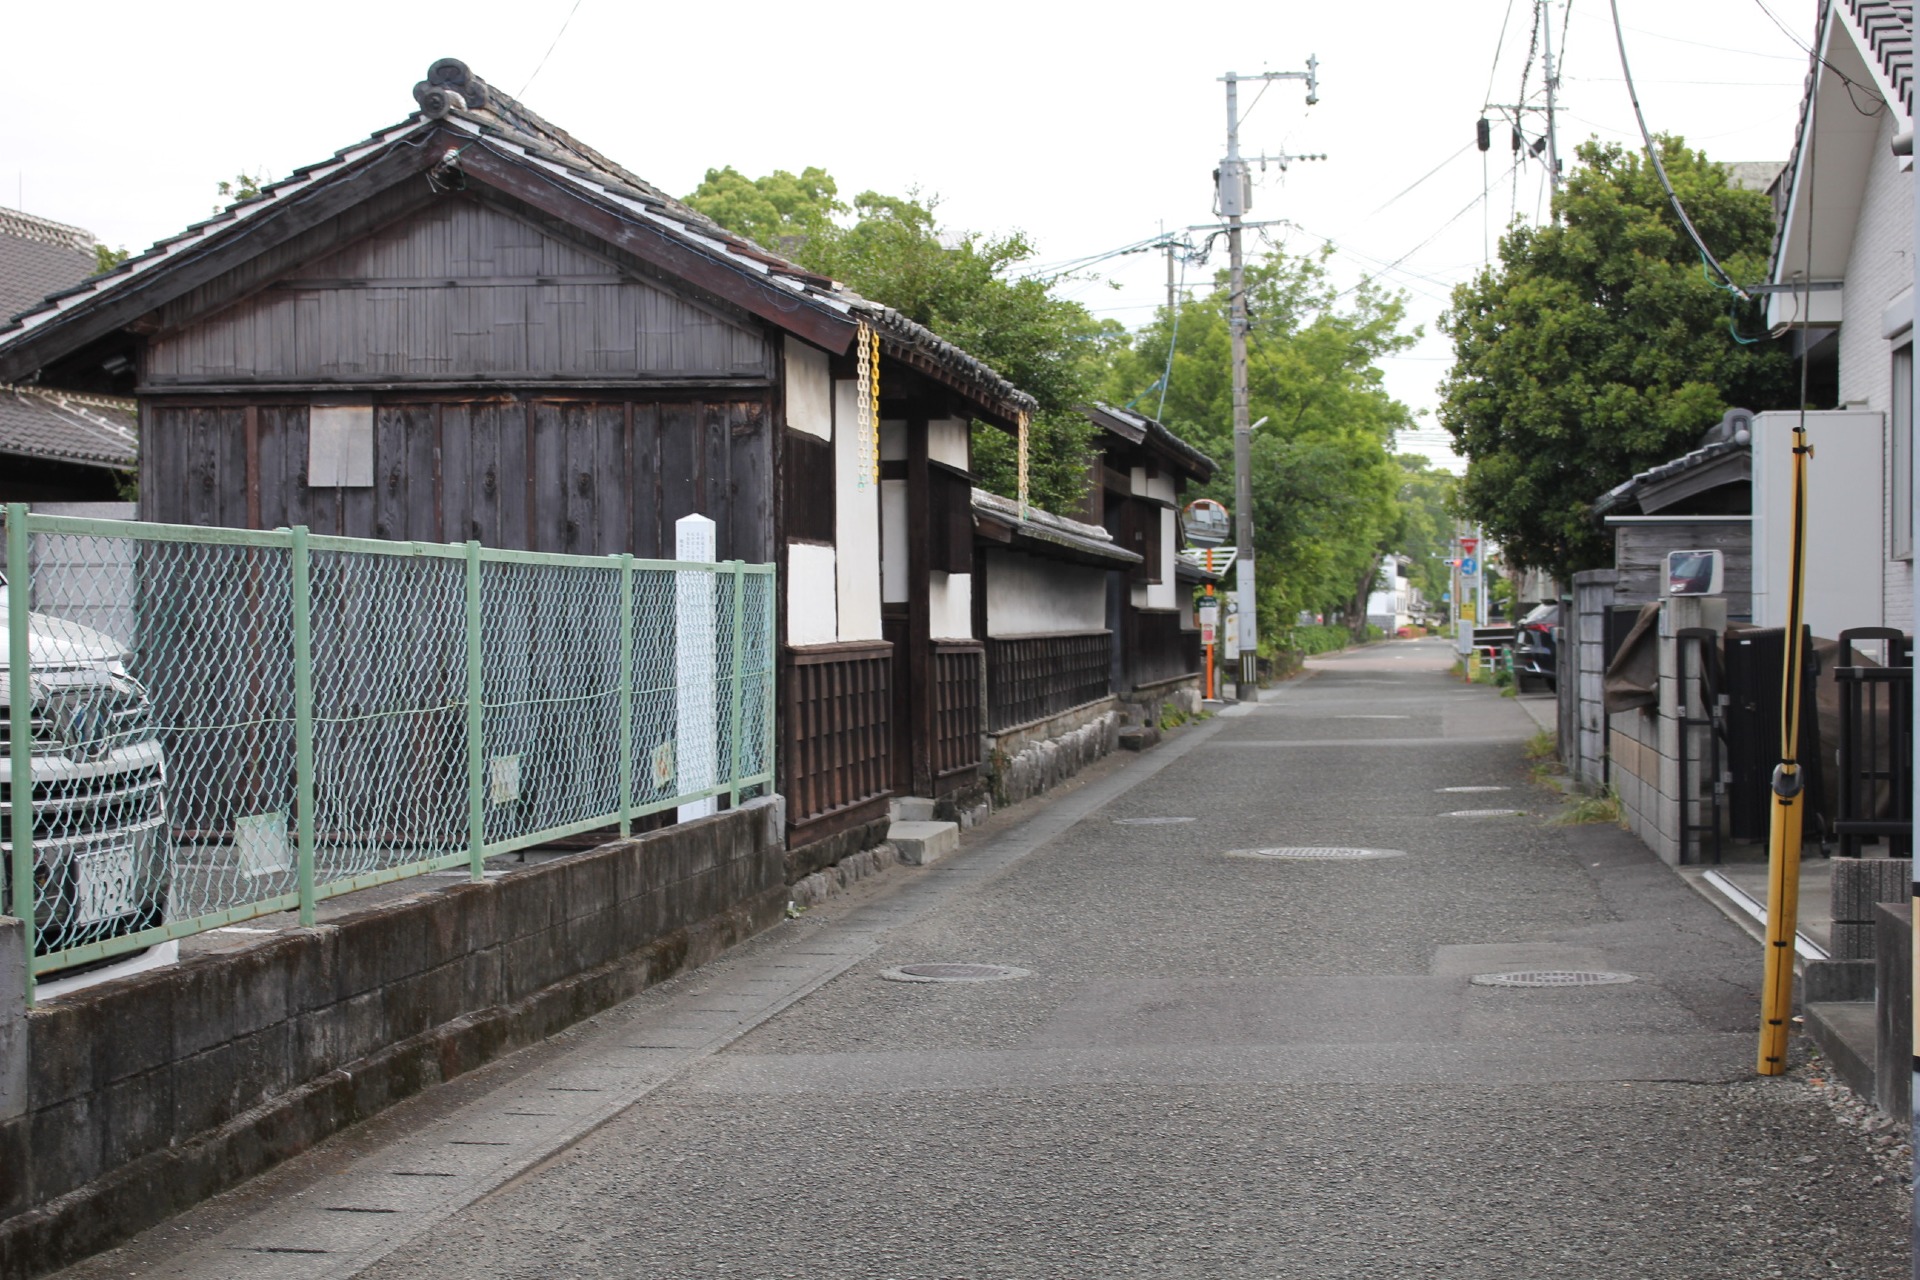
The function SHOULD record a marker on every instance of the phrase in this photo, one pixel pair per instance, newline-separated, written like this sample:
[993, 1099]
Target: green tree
[242, 186]
[961, 285]
[1423, 523]
[105, 259]
[1599, 347]
[1325, 484]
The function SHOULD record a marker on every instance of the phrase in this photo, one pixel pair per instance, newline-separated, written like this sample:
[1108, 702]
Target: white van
[101, 864]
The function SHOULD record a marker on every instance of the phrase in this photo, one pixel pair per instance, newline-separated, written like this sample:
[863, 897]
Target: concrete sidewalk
[1212, 1043]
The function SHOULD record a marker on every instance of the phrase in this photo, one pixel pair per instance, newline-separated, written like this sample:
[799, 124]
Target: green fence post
[476, 726]
[739, 677]
[20, 723]
[303, 715]
[769, 681]
[626, 696]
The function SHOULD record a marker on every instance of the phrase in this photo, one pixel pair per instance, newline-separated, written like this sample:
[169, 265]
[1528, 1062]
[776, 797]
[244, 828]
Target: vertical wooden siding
[586, 476]
[1032, 677]
[957, 720]
[837, 737]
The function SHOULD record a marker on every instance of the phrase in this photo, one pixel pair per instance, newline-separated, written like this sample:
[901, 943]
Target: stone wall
[1024, 762]
[126, 1102]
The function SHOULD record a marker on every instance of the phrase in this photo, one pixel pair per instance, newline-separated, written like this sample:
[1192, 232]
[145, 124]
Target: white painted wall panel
[1161, 487]
[893, 441]
[893, 541]
[950, 605]
[1027, 595]
[856, 524]
[1846, 546]
[811, 615]
[809, 390]
[947, 442]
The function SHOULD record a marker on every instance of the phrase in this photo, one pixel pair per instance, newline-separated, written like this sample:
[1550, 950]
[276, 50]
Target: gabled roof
[37, 257]
[90, 431]
[1861, 69]
[467, 131]
[1046, 534]
[1138, 428]
[1719, 463]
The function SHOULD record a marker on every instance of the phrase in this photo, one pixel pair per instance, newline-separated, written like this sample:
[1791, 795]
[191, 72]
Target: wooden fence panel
[1032, 677]
[835, 733]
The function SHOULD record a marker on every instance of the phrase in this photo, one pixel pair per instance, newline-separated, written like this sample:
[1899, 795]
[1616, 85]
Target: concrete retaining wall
[134, 1099]
[1038, 757]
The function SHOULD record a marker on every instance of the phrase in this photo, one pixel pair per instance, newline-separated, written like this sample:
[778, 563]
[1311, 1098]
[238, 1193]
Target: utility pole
[1553, 89]
[1233, 192]
[1172, 302]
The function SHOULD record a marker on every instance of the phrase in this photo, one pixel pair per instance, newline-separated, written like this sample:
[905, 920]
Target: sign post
[696, 729]
[1208, 524]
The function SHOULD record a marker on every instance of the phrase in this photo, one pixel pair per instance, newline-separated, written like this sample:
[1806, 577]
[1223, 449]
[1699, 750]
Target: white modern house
[1842, 277]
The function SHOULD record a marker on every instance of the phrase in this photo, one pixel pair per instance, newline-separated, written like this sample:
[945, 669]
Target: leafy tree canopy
[1598, 348]
[961, 285]
[1325, 485]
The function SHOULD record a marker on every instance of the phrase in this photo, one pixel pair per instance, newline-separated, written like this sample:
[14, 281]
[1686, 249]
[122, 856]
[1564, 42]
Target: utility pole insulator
[1483, 134]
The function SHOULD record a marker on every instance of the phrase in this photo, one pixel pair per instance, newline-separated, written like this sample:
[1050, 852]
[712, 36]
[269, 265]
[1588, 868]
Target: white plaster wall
[893, 541]
[947, 442]
[856, 526]
[1027, 595]
[893, 441]
[1879, 269]
[809, 390]
[1137, 478]
[950, 605]
[811, 615]
[1165, 594]
[1846, 548]
[1161, 487]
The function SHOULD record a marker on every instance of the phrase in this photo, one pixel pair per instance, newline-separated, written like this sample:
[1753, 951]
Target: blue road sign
[1470, 566]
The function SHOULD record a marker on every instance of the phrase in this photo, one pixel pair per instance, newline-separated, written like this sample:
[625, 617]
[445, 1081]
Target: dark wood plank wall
[584, 476]
[453, 290]
[1640, 556]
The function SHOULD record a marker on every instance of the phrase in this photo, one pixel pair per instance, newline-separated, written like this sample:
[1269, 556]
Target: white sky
[1088, 127]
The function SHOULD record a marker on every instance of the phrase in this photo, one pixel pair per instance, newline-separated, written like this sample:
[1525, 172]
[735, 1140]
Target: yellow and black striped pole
[1789, 789]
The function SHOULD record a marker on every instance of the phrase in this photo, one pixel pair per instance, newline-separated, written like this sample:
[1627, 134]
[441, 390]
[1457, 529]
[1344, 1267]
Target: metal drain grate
[952, 973]
[1552, 978]
[1148, 822]
[1484, 813]
[1317, 853]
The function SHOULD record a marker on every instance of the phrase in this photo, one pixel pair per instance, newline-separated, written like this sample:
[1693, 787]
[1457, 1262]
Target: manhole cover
[952, 973]
[1148, 822]
[1458, 790]
[1551, 978]
[1316, 852]
[1485, 813]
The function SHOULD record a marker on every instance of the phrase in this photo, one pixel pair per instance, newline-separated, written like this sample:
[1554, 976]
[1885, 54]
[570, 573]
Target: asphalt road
[1214, 1065]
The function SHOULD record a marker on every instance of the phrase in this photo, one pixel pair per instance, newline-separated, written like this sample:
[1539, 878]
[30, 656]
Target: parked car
[100, 852]
[1534, 658]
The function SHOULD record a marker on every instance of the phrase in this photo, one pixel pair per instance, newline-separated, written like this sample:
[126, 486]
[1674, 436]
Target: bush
[1320, 638]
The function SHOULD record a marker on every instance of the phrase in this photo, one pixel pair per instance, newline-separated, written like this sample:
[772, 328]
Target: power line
[550, 48]
[1417, 181]
[1498, 46]
[1660, 170]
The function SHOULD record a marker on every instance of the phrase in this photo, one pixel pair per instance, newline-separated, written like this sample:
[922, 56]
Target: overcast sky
[1087, 126]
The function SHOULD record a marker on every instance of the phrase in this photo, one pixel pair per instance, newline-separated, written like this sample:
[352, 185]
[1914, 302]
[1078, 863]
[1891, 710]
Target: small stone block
[922, 843]
[1851, 940]
[1138, 737]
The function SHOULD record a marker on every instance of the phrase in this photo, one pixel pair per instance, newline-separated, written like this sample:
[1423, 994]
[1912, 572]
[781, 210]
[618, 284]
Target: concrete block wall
[1586, 631]
[137, 1098]
[1645, 744]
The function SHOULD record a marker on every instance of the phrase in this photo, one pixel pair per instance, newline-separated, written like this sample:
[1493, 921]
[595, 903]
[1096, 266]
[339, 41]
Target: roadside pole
[1913, 461]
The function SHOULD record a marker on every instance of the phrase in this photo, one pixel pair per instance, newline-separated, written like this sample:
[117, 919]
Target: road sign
[1446, 597]
[1469, 566]
[1206, 633]
[1469, 547]
[1209, 614]
[1466, 611]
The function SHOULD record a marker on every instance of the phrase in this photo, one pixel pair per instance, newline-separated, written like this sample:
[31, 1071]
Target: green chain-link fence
[216, 724]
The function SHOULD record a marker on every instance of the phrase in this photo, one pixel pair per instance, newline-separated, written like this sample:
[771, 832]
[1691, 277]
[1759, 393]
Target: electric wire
[1498, 46]
[1659, 169]
[1417, 181]
[1811, 52]
[550, 48]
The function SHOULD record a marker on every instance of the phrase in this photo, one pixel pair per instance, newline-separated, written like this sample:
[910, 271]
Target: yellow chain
[874, 334]
[864, 428]
[1023, 466]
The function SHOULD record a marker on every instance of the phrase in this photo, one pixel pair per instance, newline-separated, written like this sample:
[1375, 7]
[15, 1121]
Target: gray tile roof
[39, 257]
[1626, 494]
[1082, 541]
[1133, 425]
[93, 431]
[453, 97]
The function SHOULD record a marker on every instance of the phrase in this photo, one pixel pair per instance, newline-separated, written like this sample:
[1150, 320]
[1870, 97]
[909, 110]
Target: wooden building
[54, 446]
[1139, 483]
[471, 325]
